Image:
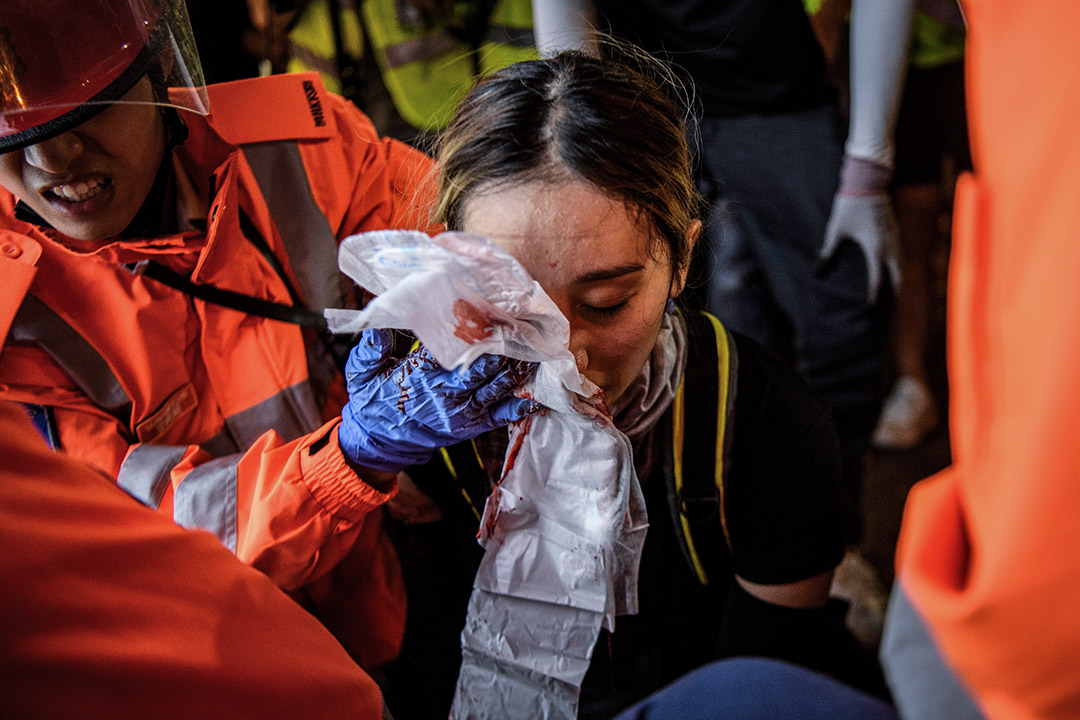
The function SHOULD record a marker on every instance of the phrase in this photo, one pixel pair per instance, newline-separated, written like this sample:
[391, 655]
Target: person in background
[405, 63]
[931, 147]
[115, 612]
[579, 168]
[165, 251]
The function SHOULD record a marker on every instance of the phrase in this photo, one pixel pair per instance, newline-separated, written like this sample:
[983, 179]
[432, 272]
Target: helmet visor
[61, 62]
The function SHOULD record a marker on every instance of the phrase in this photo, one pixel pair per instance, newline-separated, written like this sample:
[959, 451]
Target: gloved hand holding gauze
[401, 410]
[563, 531]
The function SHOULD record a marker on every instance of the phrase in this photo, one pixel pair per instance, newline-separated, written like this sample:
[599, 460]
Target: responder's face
[89, 182]
[595, 260]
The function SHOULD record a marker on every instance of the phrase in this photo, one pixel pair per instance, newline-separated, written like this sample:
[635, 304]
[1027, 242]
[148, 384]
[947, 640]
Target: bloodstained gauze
[518, 440]
[474, 324]
[493, 517]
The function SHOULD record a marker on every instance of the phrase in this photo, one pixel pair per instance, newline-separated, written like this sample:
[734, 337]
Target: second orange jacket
[114, 612]
[986, 552]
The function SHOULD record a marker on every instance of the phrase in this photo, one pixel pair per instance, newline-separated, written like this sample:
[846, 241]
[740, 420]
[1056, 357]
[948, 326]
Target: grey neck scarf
[650, 394]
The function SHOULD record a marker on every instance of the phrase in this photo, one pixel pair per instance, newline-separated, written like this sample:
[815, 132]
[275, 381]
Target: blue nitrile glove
[862, 212]
[402, 409]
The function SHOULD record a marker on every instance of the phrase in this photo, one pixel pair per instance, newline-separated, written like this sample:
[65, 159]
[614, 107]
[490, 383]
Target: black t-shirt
[743, 56]
[782, 511]
[782, 514]
[782, 489]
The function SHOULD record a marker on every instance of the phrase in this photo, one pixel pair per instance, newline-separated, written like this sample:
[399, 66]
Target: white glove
[862, 212]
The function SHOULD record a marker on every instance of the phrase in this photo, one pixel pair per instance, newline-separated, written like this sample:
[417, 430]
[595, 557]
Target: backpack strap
[455, 479]
[700, 450]
[466, 468]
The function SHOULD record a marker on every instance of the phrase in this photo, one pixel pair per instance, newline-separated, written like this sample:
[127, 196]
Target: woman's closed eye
[604, 311]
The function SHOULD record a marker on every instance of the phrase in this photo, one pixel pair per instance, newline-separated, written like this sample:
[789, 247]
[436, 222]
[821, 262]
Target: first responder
[179, 626]
[165, 248]
[982, 621]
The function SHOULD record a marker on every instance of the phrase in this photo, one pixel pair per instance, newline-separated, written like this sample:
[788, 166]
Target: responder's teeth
[78, 192]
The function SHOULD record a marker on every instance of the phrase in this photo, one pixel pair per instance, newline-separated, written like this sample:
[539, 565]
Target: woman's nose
[581, 357]
[578, 344]
[579, 334]
[54, 155]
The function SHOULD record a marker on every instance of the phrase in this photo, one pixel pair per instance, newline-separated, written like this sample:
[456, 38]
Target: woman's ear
[679, 281]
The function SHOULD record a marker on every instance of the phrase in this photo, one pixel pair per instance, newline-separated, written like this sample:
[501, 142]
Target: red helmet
[62, 62]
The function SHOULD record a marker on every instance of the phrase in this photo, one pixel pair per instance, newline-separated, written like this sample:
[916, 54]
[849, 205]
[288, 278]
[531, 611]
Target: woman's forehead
[548, 211]
[563, 232]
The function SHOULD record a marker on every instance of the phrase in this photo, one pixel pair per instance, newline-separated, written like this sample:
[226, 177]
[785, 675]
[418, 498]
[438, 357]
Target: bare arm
[811, 592]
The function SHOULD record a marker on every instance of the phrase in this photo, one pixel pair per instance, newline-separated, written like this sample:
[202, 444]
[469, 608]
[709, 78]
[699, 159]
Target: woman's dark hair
[612, 122]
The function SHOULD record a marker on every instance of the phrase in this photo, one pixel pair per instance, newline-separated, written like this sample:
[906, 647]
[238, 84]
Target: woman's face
[595, 260]
[90, 182]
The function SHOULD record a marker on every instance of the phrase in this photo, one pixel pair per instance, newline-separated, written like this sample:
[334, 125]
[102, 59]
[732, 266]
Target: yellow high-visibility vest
[426, 67]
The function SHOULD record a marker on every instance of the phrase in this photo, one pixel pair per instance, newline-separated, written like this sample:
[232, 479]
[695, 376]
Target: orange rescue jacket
[987, 552]
[224, 420]
[114, 612]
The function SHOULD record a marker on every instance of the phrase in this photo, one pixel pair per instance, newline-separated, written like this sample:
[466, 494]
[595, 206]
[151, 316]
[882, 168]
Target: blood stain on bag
[473, 324]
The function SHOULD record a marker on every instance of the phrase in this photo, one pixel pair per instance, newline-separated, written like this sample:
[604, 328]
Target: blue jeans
[757, 688]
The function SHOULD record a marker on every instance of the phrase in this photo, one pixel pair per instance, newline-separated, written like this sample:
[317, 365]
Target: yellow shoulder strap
[700, 437]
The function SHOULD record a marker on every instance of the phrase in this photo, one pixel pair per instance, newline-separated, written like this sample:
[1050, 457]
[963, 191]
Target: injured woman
[566, 188]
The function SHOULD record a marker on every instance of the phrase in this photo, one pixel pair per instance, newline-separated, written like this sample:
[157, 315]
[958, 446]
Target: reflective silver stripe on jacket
[37, 322]
[145, 473]
[310, 243]
[419, 49]
[312, 60]
[292, 412]
[309, 240]
[206, 499]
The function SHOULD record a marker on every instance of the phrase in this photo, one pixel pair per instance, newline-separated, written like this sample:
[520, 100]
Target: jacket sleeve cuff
[332, 482]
